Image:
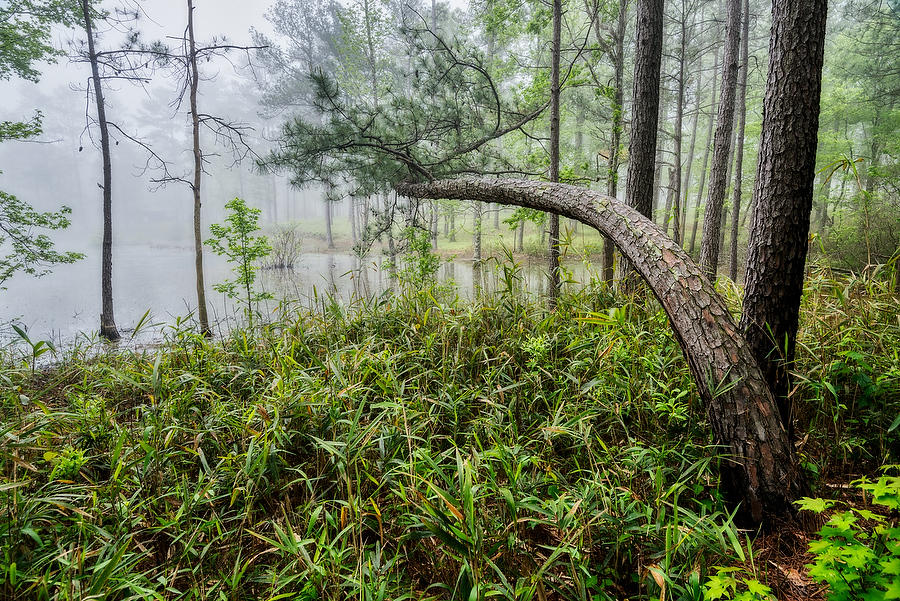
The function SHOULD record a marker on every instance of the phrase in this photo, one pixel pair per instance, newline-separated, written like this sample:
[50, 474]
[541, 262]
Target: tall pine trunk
[554, 283]
[107, 318]
[194, 77]
[645, 109]
[686, 181]
[718, 176]
[709, 141]
[615, 153]
[739, 149]
[783, 192]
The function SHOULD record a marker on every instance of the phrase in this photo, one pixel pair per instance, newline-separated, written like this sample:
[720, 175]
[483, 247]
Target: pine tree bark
[107, 318]
[686, 181]
[709, 141]
[675, 183]
[763, 476]
[718, 176]
[785, 173]
[645, 109]
[193, 80]
[554, 283]
[739, 149]
[615, 153]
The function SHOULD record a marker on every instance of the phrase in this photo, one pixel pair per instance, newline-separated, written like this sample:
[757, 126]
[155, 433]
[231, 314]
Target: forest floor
[425, 447]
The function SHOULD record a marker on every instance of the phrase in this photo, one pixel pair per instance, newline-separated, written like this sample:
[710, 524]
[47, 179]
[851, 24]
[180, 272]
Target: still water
[64, 306]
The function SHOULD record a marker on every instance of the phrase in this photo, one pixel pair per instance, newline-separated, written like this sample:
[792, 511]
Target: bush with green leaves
[858, 550]
[235, 241]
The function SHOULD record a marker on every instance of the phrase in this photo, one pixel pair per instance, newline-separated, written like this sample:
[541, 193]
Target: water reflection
[65, 305]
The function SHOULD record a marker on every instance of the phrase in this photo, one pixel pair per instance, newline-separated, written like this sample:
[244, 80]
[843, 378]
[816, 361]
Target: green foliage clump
[858, 551]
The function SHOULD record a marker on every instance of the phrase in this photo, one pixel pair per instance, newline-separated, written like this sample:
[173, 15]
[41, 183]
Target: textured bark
[554, 283]
[779, 230]
[742, 411]
[718, 175]
[739, 149]
[615, 153]
[686, 182]
[193, 77]
[709, 132]
[679, 124]
[107, 318]
[645, 106]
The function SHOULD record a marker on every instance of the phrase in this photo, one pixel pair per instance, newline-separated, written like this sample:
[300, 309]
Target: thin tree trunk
[645, 109]
[785, 173]
[709, 141]
[739, 150]
[107, 318]
[718, 177]
[615, 154]
[476, 233]
[194, 77]
[452, 224]
[679, 123]
[763, 473]
[328, 235]
[686, 182]
[554, 283]
[521, 236]
[352, 211]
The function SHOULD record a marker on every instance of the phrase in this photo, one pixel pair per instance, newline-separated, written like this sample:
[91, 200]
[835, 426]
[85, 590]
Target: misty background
[152, 229]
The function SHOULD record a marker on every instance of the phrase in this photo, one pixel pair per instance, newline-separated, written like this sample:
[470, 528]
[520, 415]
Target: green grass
[415, 447]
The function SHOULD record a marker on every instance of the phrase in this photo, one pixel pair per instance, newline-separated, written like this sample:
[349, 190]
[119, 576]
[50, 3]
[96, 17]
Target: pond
[64, 306]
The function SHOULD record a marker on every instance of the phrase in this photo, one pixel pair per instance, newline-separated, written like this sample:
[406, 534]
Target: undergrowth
[412, 447]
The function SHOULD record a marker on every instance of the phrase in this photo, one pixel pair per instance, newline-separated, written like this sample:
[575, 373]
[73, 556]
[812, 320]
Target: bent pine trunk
[763, 474]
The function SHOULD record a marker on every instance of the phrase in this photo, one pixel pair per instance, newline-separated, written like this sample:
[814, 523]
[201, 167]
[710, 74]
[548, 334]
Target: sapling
[235, 241]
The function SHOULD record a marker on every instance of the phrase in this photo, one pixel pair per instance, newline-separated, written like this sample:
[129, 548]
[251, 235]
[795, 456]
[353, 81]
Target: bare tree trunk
[107, 318]
[739, 150]
[554, 283]
[675, 182]
[686, 182]
[645, 107]
[452, 224]
[328, 235]
[718, 182]
[785, 173]
[476, 233]
[709, 141]
[353, 229]
[763, 474]
[521, 234]
[193, 77]
[615, 154]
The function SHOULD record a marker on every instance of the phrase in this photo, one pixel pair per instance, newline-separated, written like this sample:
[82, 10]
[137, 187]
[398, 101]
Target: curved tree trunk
[763, 476]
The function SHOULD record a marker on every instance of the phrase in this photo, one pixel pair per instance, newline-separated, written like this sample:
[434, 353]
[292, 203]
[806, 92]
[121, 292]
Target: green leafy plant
[235, 241]
[38, 347]
[858, 550]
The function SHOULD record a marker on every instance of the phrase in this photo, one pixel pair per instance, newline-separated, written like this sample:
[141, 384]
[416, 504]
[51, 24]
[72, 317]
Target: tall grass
[408, 447]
